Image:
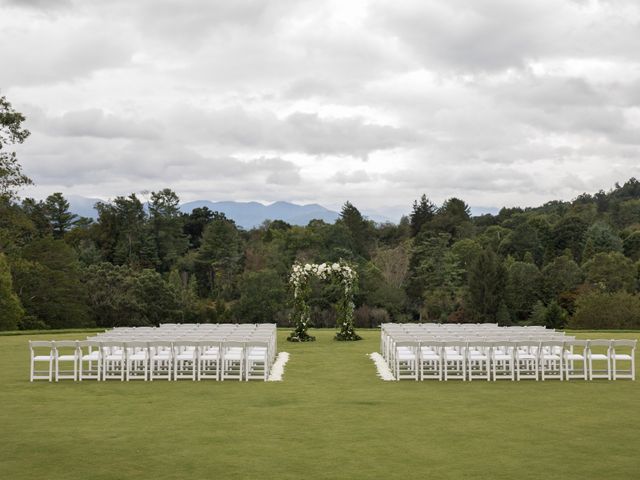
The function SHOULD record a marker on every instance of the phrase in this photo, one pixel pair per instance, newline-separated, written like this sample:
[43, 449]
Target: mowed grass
[331, 418]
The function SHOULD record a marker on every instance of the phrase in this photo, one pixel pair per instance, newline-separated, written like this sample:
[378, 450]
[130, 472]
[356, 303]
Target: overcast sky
[499, 102]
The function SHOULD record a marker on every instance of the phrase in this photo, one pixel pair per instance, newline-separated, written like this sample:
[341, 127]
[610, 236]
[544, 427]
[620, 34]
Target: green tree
[600, 238]
[560, 276]
[555, 316]
[194, 224]
[218, 258]
[47, 280]
[11, 132]
[453, 218]
[36, 212]
[486, 286]
[167, 224]
[522, 289]
[524, 239]
[12, 311]
[262, 297]
[121, 296]
[56, 210]
[611, 272]
[123, 234]
[360, 229]
[569, 234]
[422, 213]
[631, 245]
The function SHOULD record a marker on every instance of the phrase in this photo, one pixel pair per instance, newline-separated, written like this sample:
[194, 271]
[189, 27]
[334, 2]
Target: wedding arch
[339, 272]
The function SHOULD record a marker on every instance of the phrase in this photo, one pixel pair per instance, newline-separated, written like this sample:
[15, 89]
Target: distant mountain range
[252, 214]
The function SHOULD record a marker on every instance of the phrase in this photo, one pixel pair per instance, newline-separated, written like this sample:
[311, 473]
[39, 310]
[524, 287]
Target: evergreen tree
[11, 311]
[194, 224]
[522, 289]
[167, 225]
[218, 258]
[47, 280]
[422, 213]
[56, 209]
[359, 228]
[453, 218]
[486, 286]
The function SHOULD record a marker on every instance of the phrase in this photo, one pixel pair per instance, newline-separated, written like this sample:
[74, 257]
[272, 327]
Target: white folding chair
[113, 360]
[454, 360]
[503, 360]
[575, 356]
[618, 354]
[232, 360]
[41, 352]
[527, 359]
[160, 360]
[137, 360]
[551, 356]
[185, 360]
[89, 360]
[430, 360]
[209, 359]
[601, 353]
[66, 354]
[406, 359]
[478, 360]
[257, 360]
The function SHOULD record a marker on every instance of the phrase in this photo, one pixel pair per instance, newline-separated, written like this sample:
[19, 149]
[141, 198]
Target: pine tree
[422, 214]
[56, 209]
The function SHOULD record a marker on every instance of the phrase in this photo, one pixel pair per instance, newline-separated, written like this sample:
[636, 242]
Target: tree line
[144, 262]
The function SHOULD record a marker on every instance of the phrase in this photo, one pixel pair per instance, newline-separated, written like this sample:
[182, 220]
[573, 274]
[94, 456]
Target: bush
[370, 317]
[619, 310]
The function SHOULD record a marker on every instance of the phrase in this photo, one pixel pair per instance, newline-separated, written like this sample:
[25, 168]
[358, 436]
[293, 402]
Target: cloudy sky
[499, 102]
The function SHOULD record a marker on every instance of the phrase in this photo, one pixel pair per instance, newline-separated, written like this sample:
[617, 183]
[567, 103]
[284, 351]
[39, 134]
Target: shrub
[607, 310]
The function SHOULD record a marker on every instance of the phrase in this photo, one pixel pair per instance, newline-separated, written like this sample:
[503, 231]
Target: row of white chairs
[513, 360]
[456, 331]
[151, 360]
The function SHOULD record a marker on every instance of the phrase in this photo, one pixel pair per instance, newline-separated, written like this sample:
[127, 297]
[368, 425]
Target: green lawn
[331, 418]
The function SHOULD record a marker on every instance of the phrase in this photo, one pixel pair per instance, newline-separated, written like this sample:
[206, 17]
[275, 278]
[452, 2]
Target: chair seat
[573, 356]
[526, 356]
[501, 356]
[207, 356]
[42, 358]
[478, 357]
[186, 356]
[551, 356]
[454, 356]
[430, 356]
[114, 357]
[621, 356]
[138, 356]
[66, 357]
[233, 356]
[92, 356]
[599, 356]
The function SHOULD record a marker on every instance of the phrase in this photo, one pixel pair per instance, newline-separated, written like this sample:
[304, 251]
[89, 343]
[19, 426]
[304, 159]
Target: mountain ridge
[252, 214]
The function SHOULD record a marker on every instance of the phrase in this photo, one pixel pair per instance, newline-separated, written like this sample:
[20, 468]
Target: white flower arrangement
[338, 271]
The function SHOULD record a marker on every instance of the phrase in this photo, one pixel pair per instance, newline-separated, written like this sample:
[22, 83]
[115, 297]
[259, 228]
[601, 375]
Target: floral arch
[340, 272]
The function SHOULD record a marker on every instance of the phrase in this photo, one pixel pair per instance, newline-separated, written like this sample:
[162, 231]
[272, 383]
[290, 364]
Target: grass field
[331, 418]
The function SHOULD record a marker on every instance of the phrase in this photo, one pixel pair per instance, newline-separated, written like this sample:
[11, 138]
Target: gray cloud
[495, 101]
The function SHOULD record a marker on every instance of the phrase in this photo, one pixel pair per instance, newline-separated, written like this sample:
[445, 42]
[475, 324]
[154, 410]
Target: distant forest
[561, 264]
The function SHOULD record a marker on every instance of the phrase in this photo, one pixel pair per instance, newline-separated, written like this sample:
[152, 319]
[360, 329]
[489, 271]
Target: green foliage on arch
[340, 272]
